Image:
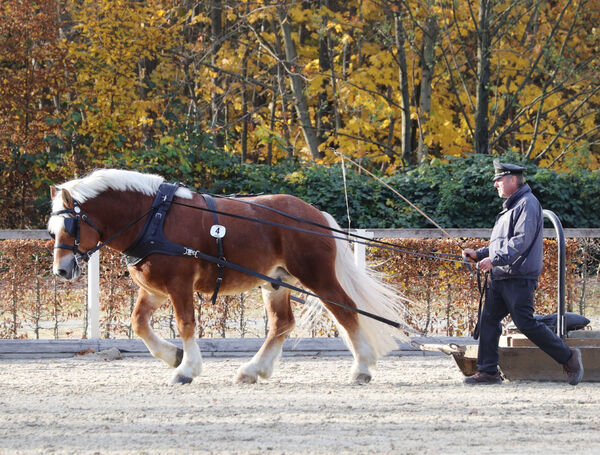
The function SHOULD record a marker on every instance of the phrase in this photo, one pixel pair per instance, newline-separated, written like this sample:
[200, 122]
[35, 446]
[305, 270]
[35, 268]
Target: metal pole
[94, 296]
[560, 237]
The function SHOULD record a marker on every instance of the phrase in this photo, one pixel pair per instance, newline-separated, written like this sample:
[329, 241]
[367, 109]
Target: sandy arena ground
[414, 405]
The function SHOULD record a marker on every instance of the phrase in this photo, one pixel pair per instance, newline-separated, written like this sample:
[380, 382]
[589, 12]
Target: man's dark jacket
[516, 245]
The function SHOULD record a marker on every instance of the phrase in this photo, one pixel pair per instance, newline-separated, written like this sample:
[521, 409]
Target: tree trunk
[297, 84]
[218, 110]
[407, 154]
[287, 116]
[272, 124]
[483, 79]
[430, 34]
[245, 119]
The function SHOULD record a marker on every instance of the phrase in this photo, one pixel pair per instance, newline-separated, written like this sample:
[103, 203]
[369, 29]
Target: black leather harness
[152, 239]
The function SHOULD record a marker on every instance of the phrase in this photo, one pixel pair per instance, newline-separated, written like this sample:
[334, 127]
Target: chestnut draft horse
[113, 205]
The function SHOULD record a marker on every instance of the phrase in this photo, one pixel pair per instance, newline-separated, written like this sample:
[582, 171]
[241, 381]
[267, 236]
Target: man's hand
[469, 253]
[485, 265]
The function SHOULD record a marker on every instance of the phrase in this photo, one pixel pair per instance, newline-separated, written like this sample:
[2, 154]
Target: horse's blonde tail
[370, 294]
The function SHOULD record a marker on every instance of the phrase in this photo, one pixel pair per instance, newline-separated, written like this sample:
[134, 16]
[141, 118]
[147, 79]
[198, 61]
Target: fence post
[94, 296]
[360, 249]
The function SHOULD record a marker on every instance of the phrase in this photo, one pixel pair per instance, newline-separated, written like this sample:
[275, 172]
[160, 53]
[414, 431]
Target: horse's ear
[53, 191]
[67, 199]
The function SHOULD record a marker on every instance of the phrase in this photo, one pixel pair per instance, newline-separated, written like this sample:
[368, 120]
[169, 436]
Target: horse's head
[74, 234]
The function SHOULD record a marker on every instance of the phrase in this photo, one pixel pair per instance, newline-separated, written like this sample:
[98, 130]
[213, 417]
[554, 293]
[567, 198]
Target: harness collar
[152, 239]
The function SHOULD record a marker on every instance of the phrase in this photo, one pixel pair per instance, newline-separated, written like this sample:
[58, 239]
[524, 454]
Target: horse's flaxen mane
[101, 180]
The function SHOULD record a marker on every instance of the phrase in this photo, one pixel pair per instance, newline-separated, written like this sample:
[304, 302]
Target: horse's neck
[116, 209]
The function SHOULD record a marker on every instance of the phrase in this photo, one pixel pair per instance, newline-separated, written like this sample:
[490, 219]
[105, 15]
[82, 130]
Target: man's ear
[67, 199]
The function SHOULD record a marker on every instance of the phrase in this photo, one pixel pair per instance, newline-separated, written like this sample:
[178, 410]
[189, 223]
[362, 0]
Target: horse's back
[276, 228]
[291, 207]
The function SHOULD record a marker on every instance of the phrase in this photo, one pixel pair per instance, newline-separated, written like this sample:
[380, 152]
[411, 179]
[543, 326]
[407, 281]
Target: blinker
[71, 227]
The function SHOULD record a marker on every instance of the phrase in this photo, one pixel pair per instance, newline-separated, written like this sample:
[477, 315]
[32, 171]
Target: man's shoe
[574, 367]
[483, 378]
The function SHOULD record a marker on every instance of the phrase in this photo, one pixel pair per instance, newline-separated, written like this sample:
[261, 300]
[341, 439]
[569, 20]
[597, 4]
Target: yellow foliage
[114, 36]
[354, 106]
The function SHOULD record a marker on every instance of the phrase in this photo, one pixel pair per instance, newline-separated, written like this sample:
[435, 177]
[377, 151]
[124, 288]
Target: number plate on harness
[217, 231]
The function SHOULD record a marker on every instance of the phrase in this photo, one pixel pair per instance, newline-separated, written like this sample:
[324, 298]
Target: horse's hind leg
[140, 322]
[281, 322]
[357, 340]
[323, 282]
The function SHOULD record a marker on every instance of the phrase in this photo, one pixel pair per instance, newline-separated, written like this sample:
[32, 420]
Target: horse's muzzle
[68, 269]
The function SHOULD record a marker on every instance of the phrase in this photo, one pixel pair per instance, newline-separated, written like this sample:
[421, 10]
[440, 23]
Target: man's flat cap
[502, 169]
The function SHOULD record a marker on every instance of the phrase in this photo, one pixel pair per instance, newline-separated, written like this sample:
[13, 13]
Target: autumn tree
[34, 69]
[536, 72]
[119, 103]
[391, 82]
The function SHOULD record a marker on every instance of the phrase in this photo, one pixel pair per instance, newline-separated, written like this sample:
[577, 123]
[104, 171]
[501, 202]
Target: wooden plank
[483, 233]
[428, 233]
[210, 347]
[24, 234]
[533, 364]
[46, 346]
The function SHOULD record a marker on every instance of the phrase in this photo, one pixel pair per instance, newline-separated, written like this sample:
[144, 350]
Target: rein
[375, 243]
[481, 287]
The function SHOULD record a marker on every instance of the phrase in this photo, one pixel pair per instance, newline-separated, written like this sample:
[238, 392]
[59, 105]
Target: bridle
[72, 227]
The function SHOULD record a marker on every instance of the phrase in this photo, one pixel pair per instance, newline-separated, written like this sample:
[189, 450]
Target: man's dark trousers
[514, 296]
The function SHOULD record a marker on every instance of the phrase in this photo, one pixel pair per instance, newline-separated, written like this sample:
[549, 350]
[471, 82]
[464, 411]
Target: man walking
[514, 261]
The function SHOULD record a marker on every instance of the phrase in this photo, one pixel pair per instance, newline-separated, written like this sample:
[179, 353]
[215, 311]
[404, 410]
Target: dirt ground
[414, 405]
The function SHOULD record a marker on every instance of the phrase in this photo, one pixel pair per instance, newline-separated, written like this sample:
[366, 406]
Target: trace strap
[152, 238]
[200, 255]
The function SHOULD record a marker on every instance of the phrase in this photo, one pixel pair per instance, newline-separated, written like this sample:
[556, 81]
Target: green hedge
[457, 193]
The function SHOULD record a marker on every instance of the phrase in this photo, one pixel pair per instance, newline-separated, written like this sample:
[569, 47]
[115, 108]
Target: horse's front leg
[281, 322]
[191, 363]
[146, 304]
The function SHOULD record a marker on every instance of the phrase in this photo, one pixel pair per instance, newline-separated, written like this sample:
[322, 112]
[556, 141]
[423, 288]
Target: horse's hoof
[178, 357]
[179, 379]
[362, 378]
[244, 378]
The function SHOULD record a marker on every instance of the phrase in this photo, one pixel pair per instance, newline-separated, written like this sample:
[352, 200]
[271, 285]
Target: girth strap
[218, 232]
